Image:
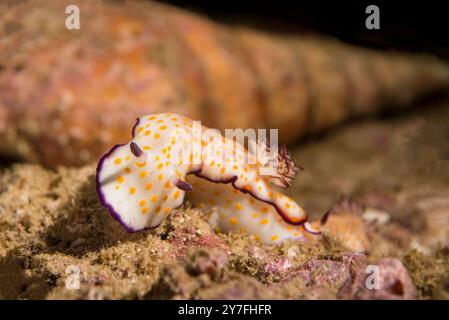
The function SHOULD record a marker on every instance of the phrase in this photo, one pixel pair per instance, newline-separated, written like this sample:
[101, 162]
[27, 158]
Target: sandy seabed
[386, 180]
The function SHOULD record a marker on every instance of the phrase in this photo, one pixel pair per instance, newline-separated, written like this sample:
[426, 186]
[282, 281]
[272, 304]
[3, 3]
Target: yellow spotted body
[140, 187]
[232, 210]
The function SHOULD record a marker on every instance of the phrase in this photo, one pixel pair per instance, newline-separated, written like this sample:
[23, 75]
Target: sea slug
[140, 182]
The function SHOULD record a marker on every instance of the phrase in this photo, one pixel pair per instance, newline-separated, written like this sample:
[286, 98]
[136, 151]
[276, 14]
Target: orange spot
[167, 184]
[165, 198]
[167, 210]
[233, 220]
[120, 179]
[140, 129]
[255, 215]
[264, 209]
[154, 198]
[247, 188]
[140, 165]
[142, 202]
[127, 170]
[157, 135]
[238, 206]
[158, 209]
[118, 161]
[222, 170]
[132, 190]
[143, 174]
[160, 165]
[146, 148]
[287, 205]
[144, 210]
[152, 118]
[176, 195]
[149, 186]
[264, 221]
[148, 132]
[163, 127]
[274, 238]
[117, 187]
[159, 177]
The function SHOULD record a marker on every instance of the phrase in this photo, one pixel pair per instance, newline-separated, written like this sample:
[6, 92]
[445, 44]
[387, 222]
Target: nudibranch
[140, 182]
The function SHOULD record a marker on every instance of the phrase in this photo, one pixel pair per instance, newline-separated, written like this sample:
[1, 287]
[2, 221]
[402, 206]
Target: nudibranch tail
[142, 181]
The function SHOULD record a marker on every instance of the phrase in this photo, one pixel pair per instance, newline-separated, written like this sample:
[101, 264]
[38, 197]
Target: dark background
[421, 26]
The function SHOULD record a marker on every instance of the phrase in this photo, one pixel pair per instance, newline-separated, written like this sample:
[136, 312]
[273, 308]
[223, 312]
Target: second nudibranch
[140, 182]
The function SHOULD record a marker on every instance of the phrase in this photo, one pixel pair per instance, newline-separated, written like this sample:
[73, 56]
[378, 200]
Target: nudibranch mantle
[140, 182]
